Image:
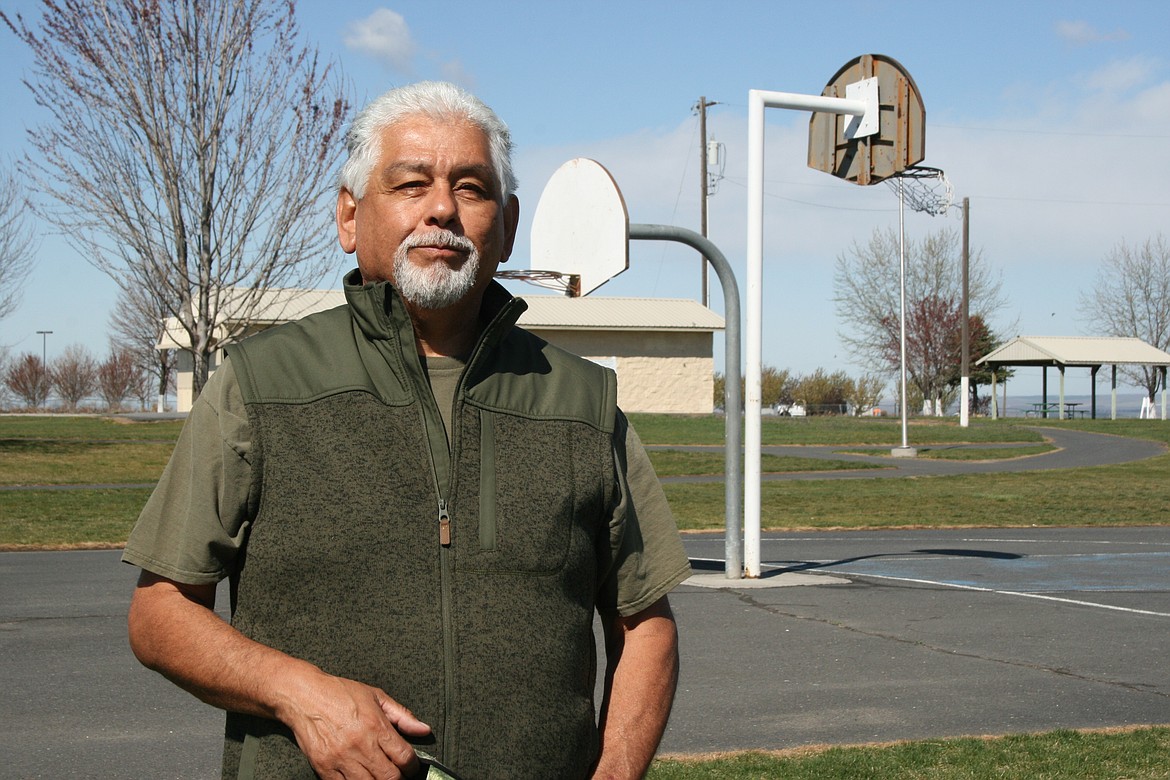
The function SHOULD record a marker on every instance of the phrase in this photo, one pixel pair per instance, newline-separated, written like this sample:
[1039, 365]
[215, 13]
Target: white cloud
[384, 35]
[1081, 33]
[1123, 75]
[454, 72]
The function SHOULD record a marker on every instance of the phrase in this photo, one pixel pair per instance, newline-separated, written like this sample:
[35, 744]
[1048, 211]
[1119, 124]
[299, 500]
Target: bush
[74, 376]
[28, 379]
[118, 377]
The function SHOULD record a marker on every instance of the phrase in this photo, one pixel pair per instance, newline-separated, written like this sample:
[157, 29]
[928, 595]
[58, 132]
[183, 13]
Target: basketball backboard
[581, 227]
[836, 144]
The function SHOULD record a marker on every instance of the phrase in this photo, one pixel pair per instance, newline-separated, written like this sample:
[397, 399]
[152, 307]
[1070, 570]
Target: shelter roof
[1075, 351]
[547, 312]
[605, 313]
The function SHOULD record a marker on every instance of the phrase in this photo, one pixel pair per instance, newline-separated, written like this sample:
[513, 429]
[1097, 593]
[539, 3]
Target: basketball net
[569, 284]
[924, 189]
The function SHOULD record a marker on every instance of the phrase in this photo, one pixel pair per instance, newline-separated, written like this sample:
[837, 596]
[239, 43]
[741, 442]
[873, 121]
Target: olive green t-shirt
[197, 519]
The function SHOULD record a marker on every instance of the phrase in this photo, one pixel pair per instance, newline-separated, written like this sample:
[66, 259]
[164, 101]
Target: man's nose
[442, 209]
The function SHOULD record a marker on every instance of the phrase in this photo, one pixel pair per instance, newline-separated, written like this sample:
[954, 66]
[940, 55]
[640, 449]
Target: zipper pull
[444, 524]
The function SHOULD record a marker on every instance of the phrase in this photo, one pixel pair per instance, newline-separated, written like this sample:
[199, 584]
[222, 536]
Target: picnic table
[1045, 408]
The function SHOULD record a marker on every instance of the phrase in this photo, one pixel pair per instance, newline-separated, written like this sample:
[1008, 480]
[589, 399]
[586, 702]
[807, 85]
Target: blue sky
[1053, 118]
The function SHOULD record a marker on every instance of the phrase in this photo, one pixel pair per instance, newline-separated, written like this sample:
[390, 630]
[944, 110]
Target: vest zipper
[444, 524]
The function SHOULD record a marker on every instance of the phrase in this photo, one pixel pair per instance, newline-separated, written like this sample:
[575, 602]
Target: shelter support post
[1163, 392]
[994, 398]
[1044, 390]
[1113, 393]
[1093, 391]
[1062, 413]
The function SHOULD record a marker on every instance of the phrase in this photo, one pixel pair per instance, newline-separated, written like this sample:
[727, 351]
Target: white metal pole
[902, 267]
[754, 336]
[758, 100]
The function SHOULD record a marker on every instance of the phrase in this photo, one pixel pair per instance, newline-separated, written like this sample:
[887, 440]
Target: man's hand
[345, 728]
[348, 730]
[641, 673]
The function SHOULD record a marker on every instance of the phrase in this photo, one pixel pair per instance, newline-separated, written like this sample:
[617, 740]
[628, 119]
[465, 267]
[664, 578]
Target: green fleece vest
[462, 581]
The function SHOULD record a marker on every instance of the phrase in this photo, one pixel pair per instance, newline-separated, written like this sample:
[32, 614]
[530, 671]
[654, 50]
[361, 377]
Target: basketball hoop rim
[920, 172]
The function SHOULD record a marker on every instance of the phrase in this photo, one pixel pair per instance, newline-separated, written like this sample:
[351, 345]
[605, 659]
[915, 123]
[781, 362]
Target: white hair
[433, 99]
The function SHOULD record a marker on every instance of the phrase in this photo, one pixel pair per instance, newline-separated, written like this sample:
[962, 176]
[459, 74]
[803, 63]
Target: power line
[1023, 131]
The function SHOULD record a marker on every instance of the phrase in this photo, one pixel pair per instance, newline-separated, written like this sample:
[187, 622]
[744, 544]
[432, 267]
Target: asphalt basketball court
[858, 637]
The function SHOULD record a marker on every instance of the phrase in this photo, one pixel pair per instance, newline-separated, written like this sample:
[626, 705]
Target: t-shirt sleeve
[647, 556]
[196, 520]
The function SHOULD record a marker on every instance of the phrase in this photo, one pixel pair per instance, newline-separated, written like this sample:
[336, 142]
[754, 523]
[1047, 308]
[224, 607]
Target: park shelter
[1064, 352]
[660, 348]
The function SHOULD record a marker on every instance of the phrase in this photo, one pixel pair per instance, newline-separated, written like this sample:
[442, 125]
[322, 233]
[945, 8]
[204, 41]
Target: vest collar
[378, 310]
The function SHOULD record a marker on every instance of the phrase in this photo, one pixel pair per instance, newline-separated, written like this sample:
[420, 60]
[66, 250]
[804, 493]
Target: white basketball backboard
[581, 226]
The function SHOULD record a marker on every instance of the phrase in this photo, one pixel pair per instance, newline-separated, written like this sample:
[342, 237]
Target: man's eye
[474, 190]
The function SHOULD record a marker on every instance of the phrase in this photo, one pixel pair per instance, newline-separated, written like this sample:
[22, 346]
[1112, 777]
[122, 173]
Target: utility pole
[965, 384]
[701, 107]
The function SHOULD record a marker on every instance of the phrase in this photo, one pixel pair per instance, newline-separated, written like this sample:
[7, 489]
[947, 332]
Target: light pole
[45, 346]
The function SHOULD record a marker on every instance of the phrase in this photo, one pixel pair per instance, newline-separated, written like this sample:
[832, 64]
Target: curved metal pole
[732, 560]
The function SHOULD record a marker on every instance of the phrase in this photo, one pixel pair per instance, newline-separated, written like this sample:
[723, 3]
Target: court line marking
[976, 588]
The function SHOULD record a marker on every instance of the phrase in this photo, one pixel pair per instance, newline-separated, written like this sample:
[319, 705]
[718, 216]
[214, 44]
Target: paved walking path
[1075, 449]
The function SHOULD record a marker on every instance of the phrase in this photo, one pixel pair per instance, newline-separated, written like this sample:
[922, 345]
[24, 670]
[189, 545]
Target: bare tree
[28, 379]
[1131, 297]
[74, 374]
[17, 245]
[118, 375]
[5, 393]
[190, 149]
[136, 326]
[867, 293]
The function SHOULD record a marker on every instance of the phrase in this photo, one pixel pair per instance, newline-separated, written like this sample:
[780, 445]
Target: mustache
[439, 238]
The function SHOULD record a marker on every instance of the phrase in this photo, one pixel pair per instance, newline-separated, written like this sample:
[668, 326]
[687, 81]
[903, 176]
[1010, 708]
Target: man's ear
[346, 221]
[511, 223]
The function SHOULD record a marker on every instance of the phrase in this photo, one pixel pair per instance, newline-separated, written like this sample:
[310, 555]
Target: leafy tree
[824, 392]
[981, 342]
[189, 151]
[28, 379]
[16, 243]
[867, 291]
[74, 374]
[866, 392]
[1131, 298]
[776, 386]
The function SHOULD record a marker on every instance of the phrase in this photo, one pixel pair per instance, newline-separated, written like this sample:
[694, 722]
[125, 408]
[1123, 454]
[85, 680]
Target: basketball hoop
[569, 284]
[924, 189]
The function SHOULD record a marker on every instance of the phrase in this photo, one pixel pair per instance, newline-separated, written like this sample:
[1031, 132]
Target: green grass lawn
[1127, 754]
[51, 451]
[682, 463]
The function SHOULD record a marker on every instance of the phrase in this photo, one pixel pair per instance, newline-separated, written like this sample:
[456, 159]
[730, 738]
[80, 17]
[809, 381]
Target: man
[418, 505]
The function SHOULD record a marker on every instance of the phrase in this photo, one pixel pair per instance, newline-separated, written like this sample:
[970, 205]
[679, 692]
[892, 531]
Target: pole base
[904, 452]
